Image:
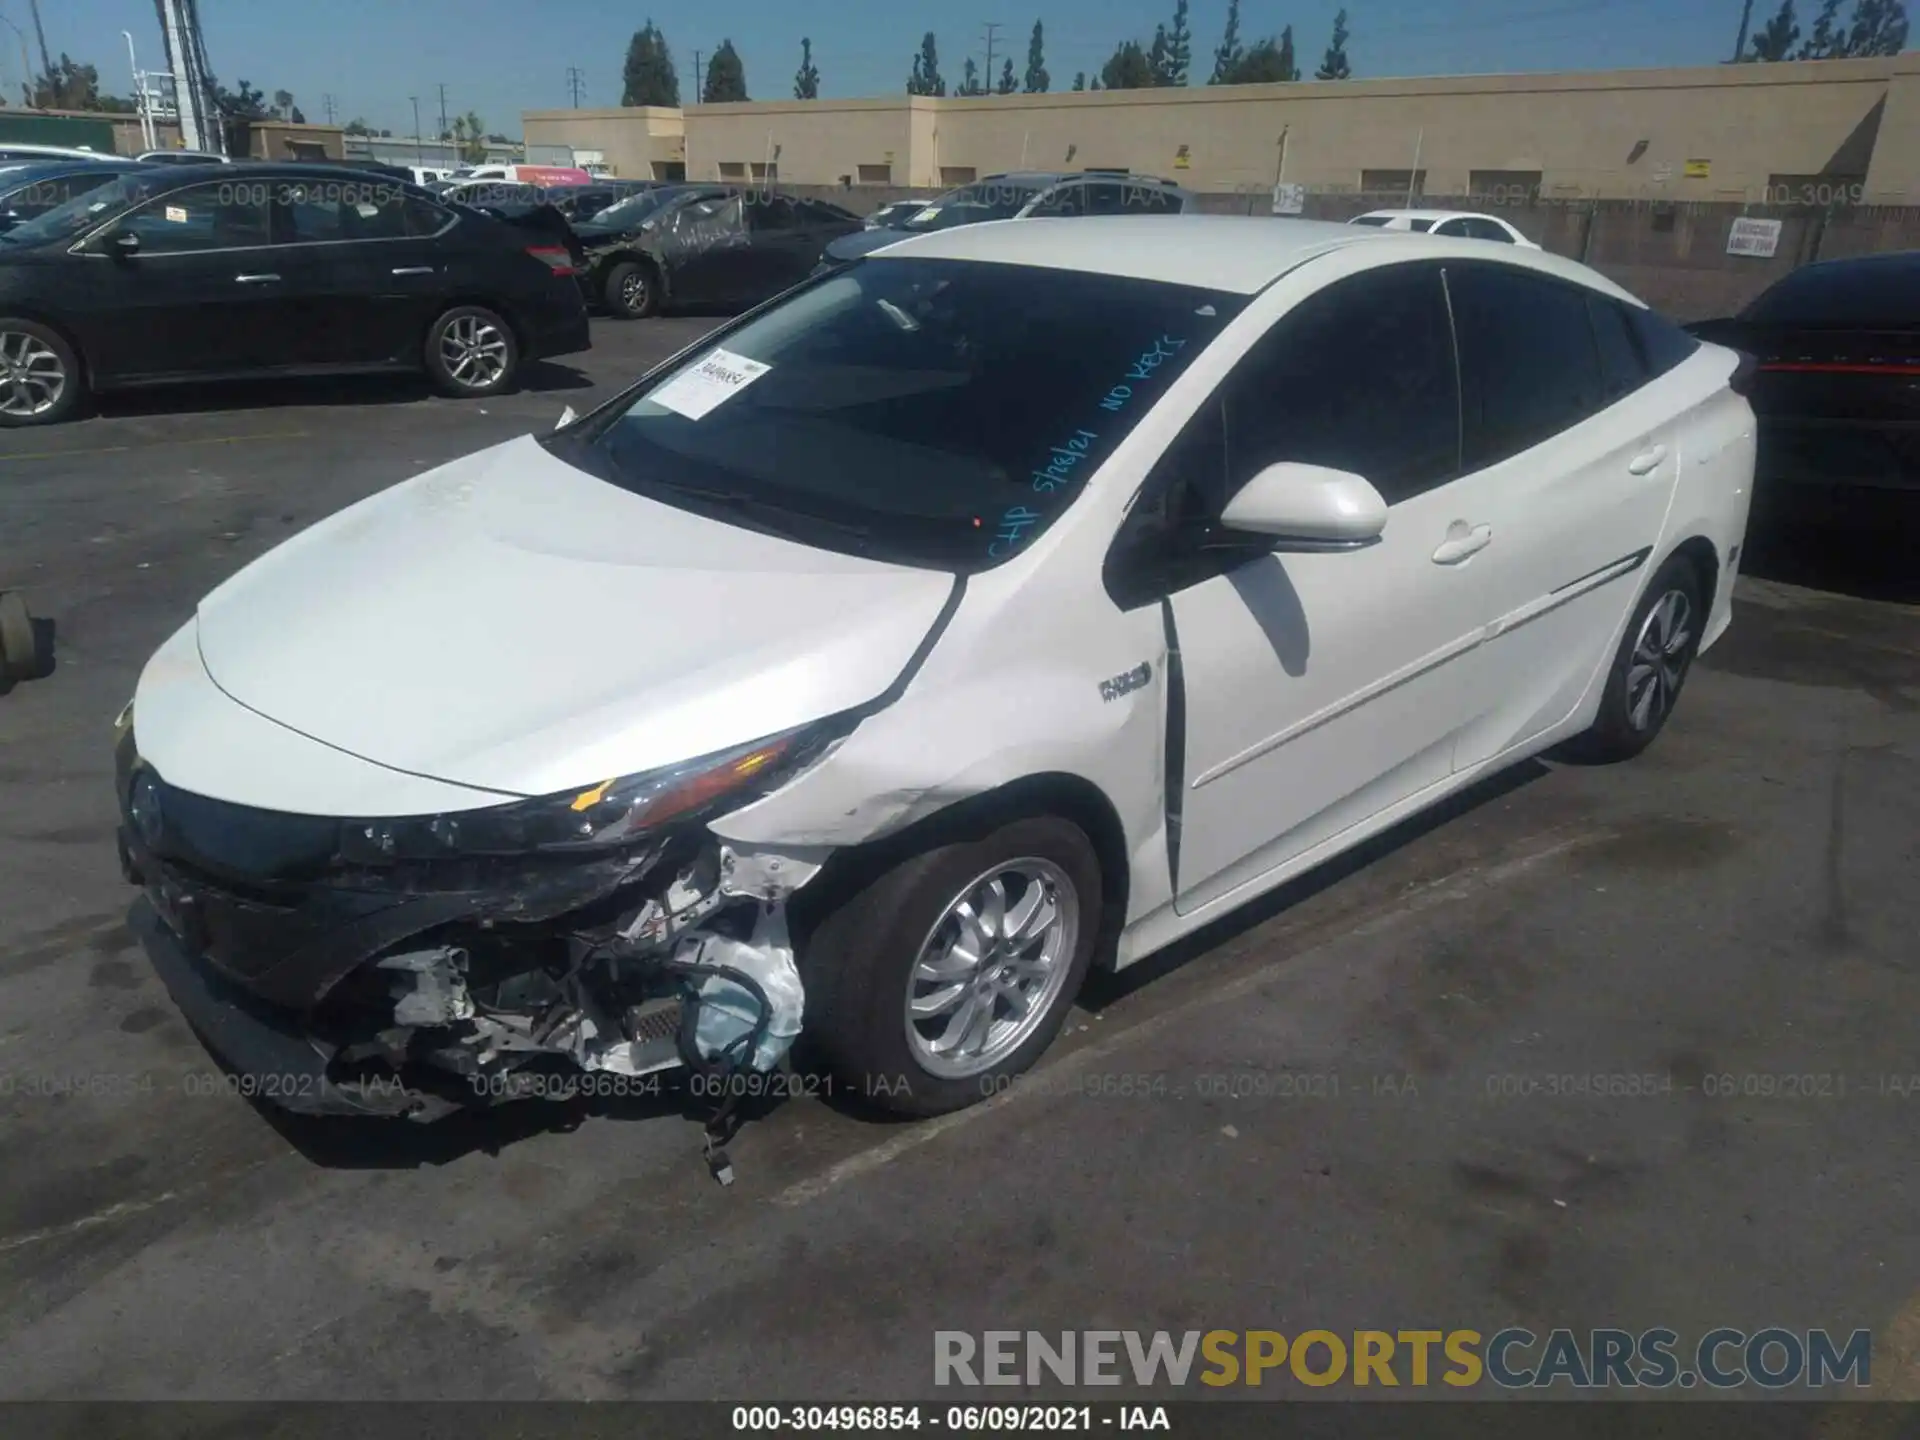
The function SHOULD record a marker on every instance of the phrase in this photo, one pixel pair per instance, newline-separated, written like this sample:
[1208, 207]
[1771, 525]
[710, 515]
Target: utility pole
[699, 81]
[46, 60]
[1746, 19]
[576, 82]
[987, 78]
[419, 153]
[328, 108]
[443, 112]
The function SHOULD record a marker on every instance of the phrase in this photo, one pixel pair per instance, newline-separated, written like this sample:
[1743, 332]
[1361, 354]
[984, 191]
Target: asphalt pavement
[1336, 1112]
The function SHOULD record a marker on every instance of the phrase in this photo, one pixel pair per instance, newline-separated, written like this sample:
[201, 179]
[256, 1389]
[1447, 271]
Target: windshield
[84, 211]
[930, 412]
[988, 200]
[635, 208]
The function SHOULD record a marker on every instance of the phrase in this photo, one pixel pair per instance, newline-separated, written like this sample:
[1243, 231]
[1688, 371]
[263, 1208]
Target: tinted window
[1359, 377]
[1871, 291]
[349, 211]
[1529, 367]
[1419, 224]
[36, 197]
[1623, 369]
[818, 212]
[918, 409]
[1478, 229]
[1067, 200]
[1152, 200]
[1663, 343]
[215, 216]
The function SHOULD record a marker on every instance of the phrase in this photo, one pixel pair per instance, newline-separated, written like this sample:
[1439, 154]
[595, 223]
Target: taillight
[555, 256]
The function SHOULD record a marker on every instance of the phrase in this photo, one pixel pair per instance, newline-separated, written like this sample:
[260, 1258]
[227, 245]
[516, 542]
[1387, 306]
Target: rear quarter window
[1664, 343]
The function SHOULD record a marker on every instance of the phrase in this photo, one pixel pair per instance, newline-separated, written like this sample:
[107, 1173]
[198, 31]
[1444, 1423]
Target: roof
[1434, 215]
[1241, 254]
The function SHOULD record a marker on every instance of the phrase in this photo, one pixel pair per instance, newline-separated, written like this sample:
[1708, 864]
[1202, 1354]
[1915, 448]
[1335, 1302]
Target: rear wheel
[631, 291]
[953, 971]
[39, 374]
[471, 352]
[1651, 666]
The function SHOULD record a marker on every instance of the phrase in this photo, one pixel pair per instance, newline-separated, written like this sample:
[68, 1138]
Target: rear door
[201, 296]
[1570, 456]
[783, 246]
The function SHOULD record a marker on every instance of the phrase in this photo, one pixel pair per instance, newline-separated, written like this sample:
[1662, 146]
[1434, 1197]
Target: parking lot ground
[1337, 1112]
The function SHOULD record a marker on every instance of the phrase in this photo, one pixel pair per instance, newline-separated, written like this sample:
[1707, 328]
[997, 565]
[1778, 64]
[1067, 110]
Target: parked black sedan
[1837, 390]
[189, 273]
[705, 245]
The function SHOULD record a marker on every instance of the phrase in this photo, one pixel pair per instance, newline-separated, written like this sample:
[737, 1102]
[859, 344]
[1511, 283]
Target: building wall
[1710, 133]
[283, 140]
[634, 138]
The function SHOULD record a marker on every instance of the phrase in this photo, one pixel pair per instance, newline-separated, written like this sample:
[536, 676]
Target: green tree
[1008, 81]
[1079, 79]
[1176, 47]
[1827, 40]
[283, 104]
[925, 79]
[1266, 62]
[1879, 28]
[1227, 56]
[649, 77]
[726, 77]
[970, 80]
[1037, 77]
[470, 135]
[68, 85]
[356, 126]
[1128, 68]
[1775, 40]
[1334, 66]
[806, 81]
[239, 109]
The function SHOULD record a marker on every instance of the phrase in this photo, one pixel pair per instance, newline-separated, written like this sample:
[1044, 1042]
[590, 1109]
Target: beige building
[1850, 129]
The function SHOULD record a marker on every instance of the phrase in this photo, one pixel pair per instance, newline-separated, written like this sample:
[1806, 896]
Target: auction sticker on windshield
[718, 376]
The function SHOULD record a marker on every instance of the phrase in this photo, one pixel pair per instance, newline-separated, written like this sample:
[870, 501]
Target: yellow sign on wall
[1698, 169]
[1183, 158]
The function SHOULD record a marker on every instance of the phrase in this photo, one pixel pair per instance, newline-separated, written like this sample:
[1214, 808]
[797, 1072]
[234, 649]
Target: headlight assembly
[601, 817]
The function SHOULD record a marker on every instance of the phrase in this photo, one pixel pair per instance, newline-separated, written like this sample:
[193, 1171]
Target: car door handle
[256, 279]
[1462, 542]
[1647, 461]
[413, 270]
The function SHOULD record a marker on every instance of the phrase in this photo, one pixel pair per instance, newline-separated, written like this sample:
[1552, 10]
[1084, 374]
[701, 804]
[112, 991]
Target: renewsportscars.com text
[1511, 1359]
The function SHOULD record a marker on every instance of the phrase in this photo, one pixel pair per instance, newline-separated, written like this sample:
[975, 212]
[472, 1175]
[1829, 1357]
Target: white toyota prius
[1018, 599]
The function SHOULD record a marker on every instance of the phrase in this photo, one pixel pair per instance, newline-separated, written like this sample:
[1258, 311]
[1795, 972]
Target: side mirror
[124, 242]
[1308, 508]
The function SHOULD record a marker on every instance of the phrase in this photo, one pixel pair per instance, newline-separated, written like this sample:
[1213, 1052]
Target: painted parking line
[156, 445]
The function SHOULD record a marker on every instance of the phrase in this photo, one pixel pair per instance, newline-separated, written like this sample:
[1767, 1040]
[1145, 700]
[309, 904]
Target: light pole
[26, 65]
[419, 151]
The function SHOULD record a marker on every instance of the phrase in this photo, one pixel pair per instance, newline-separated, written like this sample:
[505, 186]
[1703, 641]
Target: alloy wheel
[475, 352]
[32, 375]
[1659, 660]
[992, 967]
[633, 293]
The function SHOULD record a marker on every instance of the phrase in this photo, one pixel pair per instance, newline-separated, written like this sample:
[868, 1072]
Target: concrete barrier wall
[1672, 255]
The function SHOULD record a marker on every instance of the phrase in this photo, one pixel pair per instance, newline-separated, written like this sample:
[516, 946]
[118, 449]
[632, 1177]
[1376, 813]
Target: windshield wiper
[760, 506]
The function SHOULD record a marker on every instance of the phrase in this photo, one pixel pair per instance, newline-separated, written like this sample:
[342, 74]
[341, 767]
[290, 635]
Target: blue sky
[499, 57]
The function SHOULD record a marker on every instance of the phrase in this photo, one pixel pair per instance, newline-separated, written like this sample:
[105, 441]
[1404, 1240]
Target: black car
[183, 273]
[526, 207]
[1837, 389]
[27, 191]
[705, 245]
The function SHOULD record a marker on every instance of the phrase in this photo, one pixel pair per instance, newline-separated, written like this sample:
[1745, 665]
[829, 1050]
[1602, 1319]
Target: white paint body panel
[511, 623]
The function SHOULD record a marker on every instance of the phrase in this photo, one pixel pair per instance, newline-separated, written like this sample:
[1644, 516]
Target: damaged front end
[420, 965]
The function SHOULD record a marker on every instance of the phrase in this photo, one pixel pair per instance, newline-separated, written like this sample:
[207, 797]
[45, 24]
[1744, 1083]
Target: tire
[861, 962]
[632, 291]
[41, 381]
[470, 352]
[1655, 656]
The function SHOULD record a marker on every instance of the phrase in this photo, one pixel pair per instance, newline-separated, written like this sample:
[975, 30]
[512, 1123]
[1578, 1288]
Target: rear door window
[1529, 365]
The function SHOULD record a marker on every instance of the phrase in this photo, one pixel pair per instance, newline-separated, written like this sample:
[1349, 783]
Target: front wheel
[952, 972]
[471, 352]
[1652, 664]
[39, 374]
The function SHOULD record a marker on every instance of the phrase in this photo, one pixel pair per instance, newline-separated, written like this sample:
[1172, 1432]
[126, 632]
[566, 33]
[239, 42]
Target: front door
[704, 246]
[200, 296]
[1320, 689]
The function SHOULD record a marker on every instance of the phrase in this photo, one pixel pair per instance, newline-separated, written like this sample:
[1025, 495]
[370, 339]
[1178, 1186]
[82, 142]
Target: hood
[510, 622]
